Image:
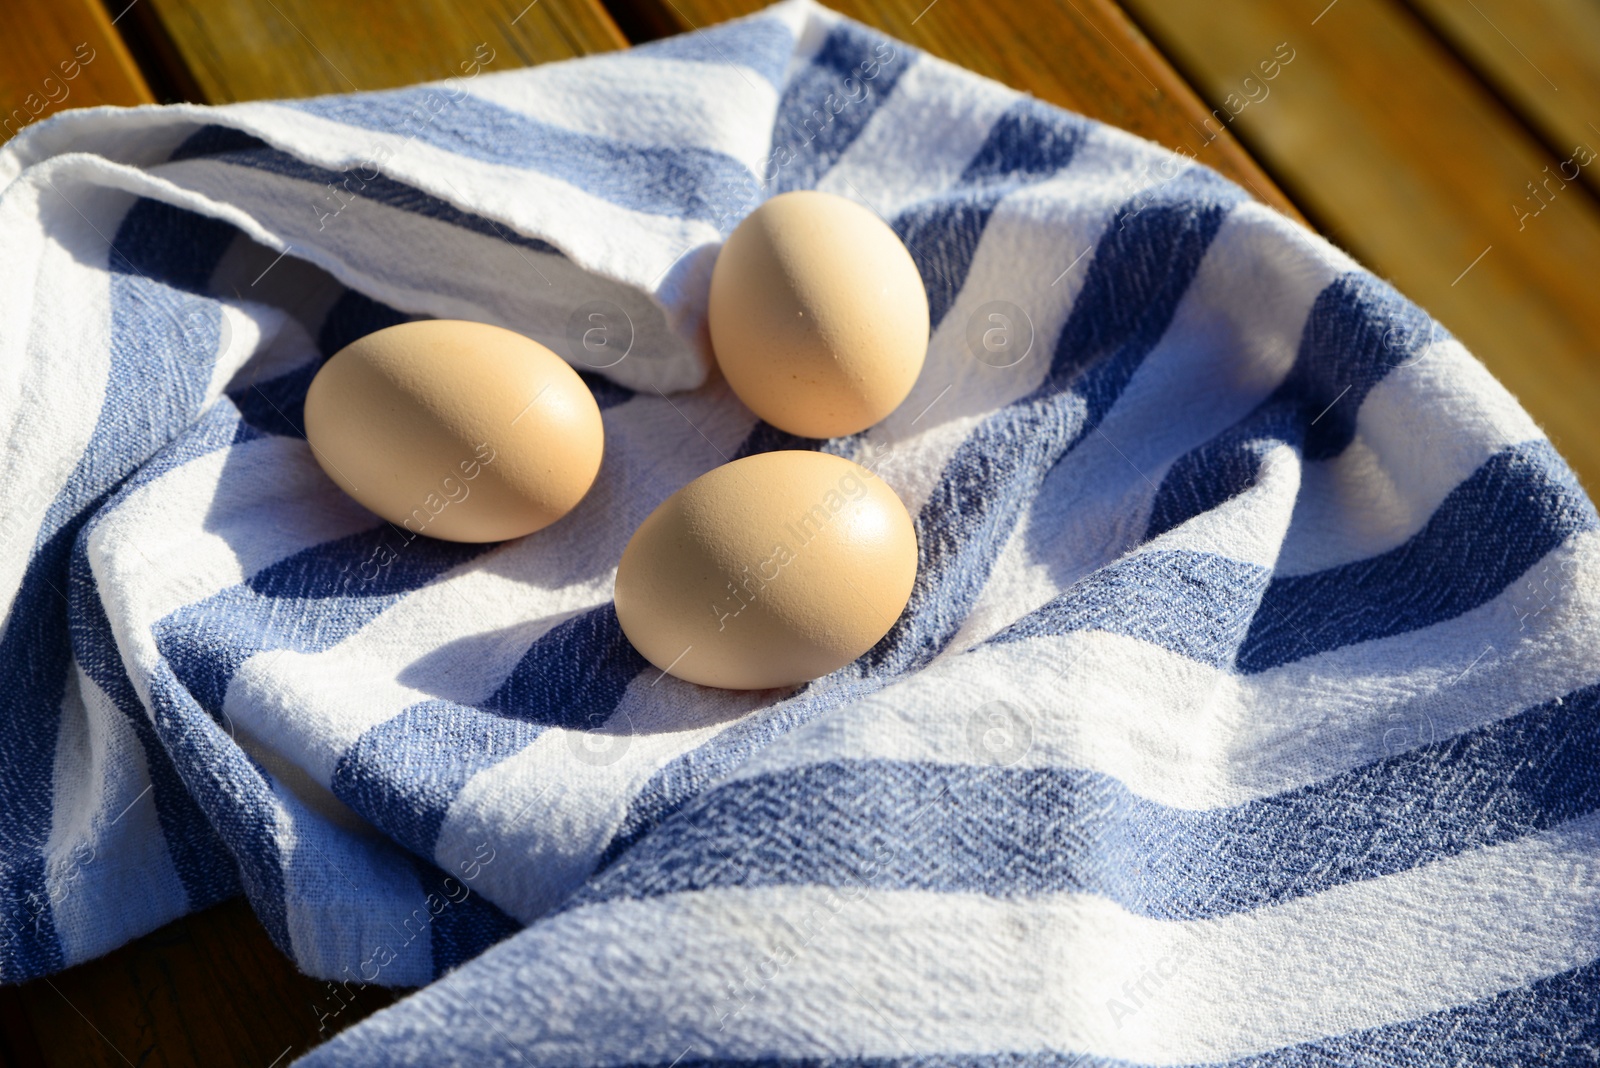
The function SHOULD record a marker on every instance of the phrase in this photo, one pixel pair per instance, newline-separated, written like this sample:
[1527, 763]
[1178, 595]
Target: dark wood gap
[19, 1046]
[1503, 95]
[642, 20]
[139, 25]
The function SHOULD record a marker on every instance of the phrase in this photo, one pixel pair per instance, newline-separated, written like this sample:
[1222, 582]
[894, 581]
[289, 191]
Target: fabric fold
[1244, 711]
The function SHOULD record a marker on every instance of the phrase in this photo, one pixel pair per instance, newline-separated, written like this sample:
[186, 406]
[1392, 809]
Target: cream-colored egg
[767, 571]
[818, 316]
[457, 430]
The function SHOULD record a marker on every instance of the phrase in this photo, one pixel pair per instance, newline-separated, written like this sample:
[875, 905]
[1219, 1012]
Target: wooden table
[1404, 129]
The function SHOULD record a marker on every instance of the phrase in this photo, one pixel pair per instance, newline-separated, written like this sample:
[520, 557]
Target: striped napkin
[1244, 711]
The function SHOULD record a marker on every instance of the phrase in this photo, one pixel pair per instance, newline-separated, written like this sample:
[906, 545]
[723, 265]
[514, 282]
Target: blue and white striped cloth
[1245, 710]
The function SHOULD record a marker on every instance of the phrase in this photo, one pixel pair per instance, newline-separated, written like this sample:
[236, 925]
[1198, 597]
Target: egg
[818, 316]
[767, 571]
[456, 430]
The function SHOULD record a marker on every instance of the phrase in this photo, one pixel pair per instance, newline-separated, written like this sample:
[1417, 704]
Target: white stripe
[353, 905]
[140, 135]
[1231, 342]
[246, 328]
[108, 874]
[460, 636]
[1045, 224]
[881, 973]
[1422, 431]
[810, 24]
[919, 140]
[210, 523]
[1187, 735]
[646, 101]
[556, 805]
[41, 437]
[284, 343]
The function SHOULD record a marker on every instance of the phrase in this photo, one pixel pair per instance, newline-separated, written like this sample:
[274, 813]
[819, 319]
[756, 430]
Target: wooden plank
[1081, 54]
[210, 989]
[1541, 56]
[264, 49]
[62, 55]
[1390, 145]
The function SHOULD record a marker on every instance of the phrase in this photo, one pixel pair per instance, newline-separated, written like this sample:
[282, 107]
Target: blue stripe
[1142, 267]
[232, 790]
[1208, 477]
[1197, 605]
[403, 775]
[200, 859]
[680, 182]
[330, 574]
[163, 340]
[224, 144]
[1028, 143]
[307, 602]
[894, 825]
[1359, 330]
[607, 394]
[683, 779]
[466, 925]
[205, 844]
[36, 646]
[352, 317]
[276, 405]
[828, 103]
[942, 236]
[1141, 270]
[574, 675]
[764, 437]
[1522, 503]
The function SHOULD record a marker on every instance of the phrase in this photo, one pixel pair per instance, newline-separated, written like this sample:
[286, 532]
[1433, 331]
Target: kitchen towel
[1244, 710]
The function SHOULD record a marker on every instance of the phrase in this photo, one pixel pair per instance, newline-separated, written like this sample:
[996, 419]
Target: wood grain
[61, 55]
[1081, 54]
[1542, 57]
[232, 50]
[1394, 148]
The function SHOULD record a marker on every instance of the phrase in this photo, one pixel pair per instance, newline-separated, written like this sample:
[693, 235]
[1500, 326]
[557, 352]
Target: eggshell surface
[456, 430]
[818, 315]
[768, 571]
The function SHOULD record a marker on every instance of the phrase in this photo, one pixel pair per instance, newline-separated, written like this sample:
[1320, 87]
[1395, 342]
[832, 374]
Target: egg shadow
[438, 672]
[547, 684]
